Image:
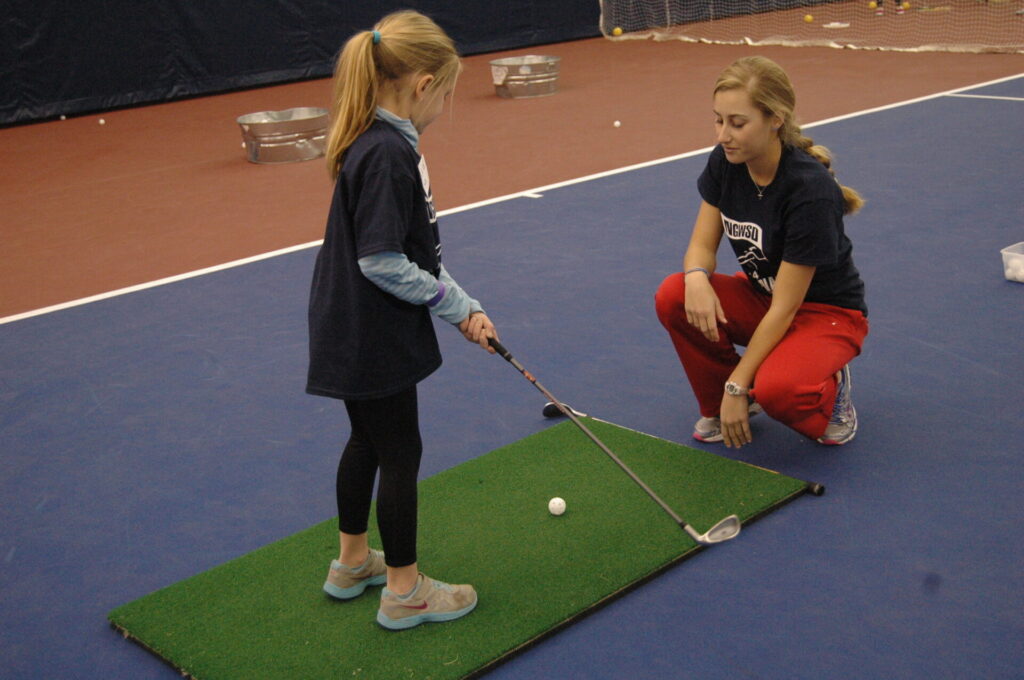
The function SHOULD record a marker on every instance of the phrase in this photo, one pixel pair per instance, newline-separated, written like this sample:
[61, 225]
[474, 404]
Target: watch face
[734, 389]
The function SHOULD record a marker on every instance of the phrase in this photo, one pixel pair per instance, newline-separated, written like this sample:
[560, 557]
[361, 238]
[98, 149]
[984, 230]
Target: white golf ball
[556, 506]
[617, 123]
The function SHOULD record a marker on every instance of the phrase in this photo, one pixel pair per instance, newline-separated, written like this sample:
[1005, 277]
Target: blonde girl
[378, 278]
[797, 304]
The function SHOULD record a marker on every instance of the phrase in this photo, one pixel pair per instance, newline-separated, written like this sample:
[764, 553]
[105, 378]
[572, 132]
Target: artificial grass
[485, 522]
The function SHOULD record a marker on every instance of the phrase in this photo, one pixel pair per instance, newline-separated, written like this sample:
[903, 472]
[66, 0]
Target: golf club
[723, 530]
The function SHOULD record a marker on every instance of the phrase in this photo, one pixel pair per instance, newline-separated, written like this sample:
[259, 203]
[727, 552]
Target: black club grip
[500, 349]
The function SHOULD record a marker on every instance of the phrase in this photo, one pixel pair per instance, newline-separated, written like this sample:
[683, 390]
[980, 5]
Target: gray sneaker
[345, 583]
[710, 429]
[430, 600]
[842, 427]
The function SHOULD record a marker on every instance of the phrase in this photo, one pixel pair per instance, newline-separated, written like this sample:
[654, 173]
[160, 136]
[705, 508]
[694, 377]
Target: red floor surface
[166, 189]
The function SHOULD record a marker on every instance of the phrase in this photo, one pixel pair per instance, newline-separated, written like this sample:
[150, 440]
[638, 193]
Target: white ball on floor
[102, 122]
[556, 506]
[617, 123]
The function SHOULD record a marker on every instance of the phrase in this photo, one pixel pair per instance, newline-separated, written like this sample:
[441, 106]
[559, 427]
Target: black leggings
[385, 435]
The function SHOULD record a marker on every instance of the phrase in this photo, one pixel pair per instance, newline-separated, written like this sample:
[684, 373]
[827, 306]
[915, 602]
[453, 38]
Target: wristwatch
[735, 390]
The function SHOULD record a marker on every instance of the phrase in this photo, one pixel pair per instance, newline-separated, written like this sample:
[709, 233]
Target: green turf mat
[485, 522]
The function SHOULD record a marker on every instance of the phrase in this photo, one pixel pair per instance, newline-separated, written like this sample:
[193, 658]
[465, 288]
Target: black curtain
[66, 57]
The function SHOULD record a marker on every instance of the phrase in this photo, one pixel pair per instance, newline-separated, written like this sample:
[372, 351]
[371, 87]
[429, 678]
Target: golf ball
[556, 506]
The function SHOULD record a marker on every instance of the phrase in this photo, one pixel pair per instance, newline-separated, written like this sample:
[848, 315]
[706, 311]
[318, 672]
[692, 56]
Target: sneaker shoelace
[440, 585]
[841, 408]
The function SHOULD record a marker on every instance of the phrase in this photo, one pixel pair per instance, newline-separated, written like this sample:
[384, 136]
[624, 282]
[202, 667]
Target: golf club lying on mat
[722, 531]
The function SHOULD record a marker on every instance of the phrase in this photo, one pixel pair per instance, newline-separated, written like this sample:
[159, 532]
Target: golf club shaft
[507, 356]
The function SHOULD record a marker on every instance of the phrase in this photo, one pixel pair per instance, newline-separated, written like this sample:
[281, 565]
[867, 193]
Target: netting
[916, 25]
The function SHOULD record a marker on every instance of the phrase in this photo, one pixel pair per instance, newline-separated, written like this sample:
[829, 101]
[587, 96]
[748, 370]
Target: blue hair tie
[376, 37]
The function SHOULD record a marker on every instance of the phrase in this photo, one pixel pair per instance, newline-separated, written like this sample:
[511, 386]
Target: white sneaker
[430, 600]
[710, 429]
[843, 425]
[344, 583]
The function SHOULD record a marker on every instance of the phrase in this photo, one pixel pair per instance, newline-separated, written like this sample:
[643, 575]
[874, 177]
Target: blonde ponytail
[852, 200]
[771, 91]
[355, 98]
[402, 43]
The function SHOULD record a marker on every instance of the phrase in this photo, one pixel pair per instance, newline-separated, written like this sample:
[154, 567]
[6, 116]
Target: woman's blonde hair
[772, 93]
[400, 44]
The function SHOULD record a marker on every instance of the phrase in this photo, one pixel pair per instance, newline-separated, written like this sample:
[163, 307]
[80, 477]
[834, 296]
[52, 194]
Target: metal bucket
[298, 134]
[529, 76]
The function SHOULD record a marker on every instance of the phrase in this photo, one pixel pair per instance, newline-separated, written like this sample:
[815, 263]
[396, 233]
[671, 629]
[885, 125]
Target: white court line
[988, 96]
[158, 282]
[471, 206]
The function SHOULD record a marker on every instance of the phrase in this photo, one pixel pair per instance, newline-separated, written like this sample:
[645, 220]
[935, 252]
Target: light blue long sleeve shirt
[394, 273]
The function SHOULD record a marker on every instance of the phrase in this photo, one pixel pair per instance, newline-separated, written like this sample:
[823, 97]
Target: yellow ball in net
[617, 31]
[872, 5]
[808, 18]
[906, 5]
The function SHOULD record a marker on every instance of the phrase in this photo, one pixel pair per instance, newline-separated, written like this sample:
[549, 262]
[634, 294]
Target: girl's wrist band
[697, 269]
[432, 302]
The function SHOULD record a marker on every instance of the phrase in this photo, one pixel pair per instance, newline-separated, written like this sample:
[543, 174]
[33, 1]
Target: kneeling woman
[798, 303]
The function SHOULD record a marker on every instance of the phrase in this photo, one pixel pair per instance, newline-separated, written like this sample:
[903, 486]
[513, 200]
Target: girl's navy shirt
[799, 219]
[365, 343]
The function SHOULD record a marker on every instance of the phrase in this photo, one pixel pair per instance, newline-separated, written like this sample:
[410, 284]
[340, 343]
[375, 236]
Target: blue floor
[154, 435]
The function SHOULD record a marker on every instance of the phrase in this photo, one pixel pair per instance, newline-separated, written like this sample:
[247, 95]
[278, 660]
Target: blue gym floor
[151, 436]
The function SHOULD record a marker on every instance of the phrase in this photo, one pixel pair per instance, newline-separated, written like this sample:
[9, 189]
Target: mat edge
[166, 661]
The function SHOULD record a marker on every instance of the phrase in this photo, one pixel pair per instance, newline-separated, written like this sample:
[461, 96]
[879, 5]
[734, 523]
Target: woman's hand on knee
[704, 311]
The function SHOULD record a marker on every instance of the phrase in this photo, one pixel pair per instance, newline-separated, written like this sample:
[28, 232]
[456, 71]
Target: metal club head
[551, 410]
[723, 531]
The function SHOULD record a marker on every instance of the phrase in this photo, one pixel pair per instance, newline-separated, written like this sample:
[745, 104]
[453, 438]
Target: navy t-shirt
[799, 219]
[365, 343]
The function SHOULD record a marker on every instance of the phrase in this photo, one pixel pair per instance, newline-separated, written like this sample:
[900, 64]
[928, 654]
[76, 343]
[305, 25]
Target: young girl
[798, 304]
[378, 278]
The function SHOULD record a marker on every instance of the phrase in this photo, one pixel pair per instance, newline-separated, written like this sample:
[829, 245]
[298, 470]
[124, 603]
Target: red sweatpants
[796, 382]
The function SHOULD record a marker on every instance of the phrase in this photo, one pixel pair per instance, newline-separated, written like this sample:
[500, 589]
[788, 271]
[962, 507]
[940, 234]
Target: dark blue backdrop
[65, 57]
